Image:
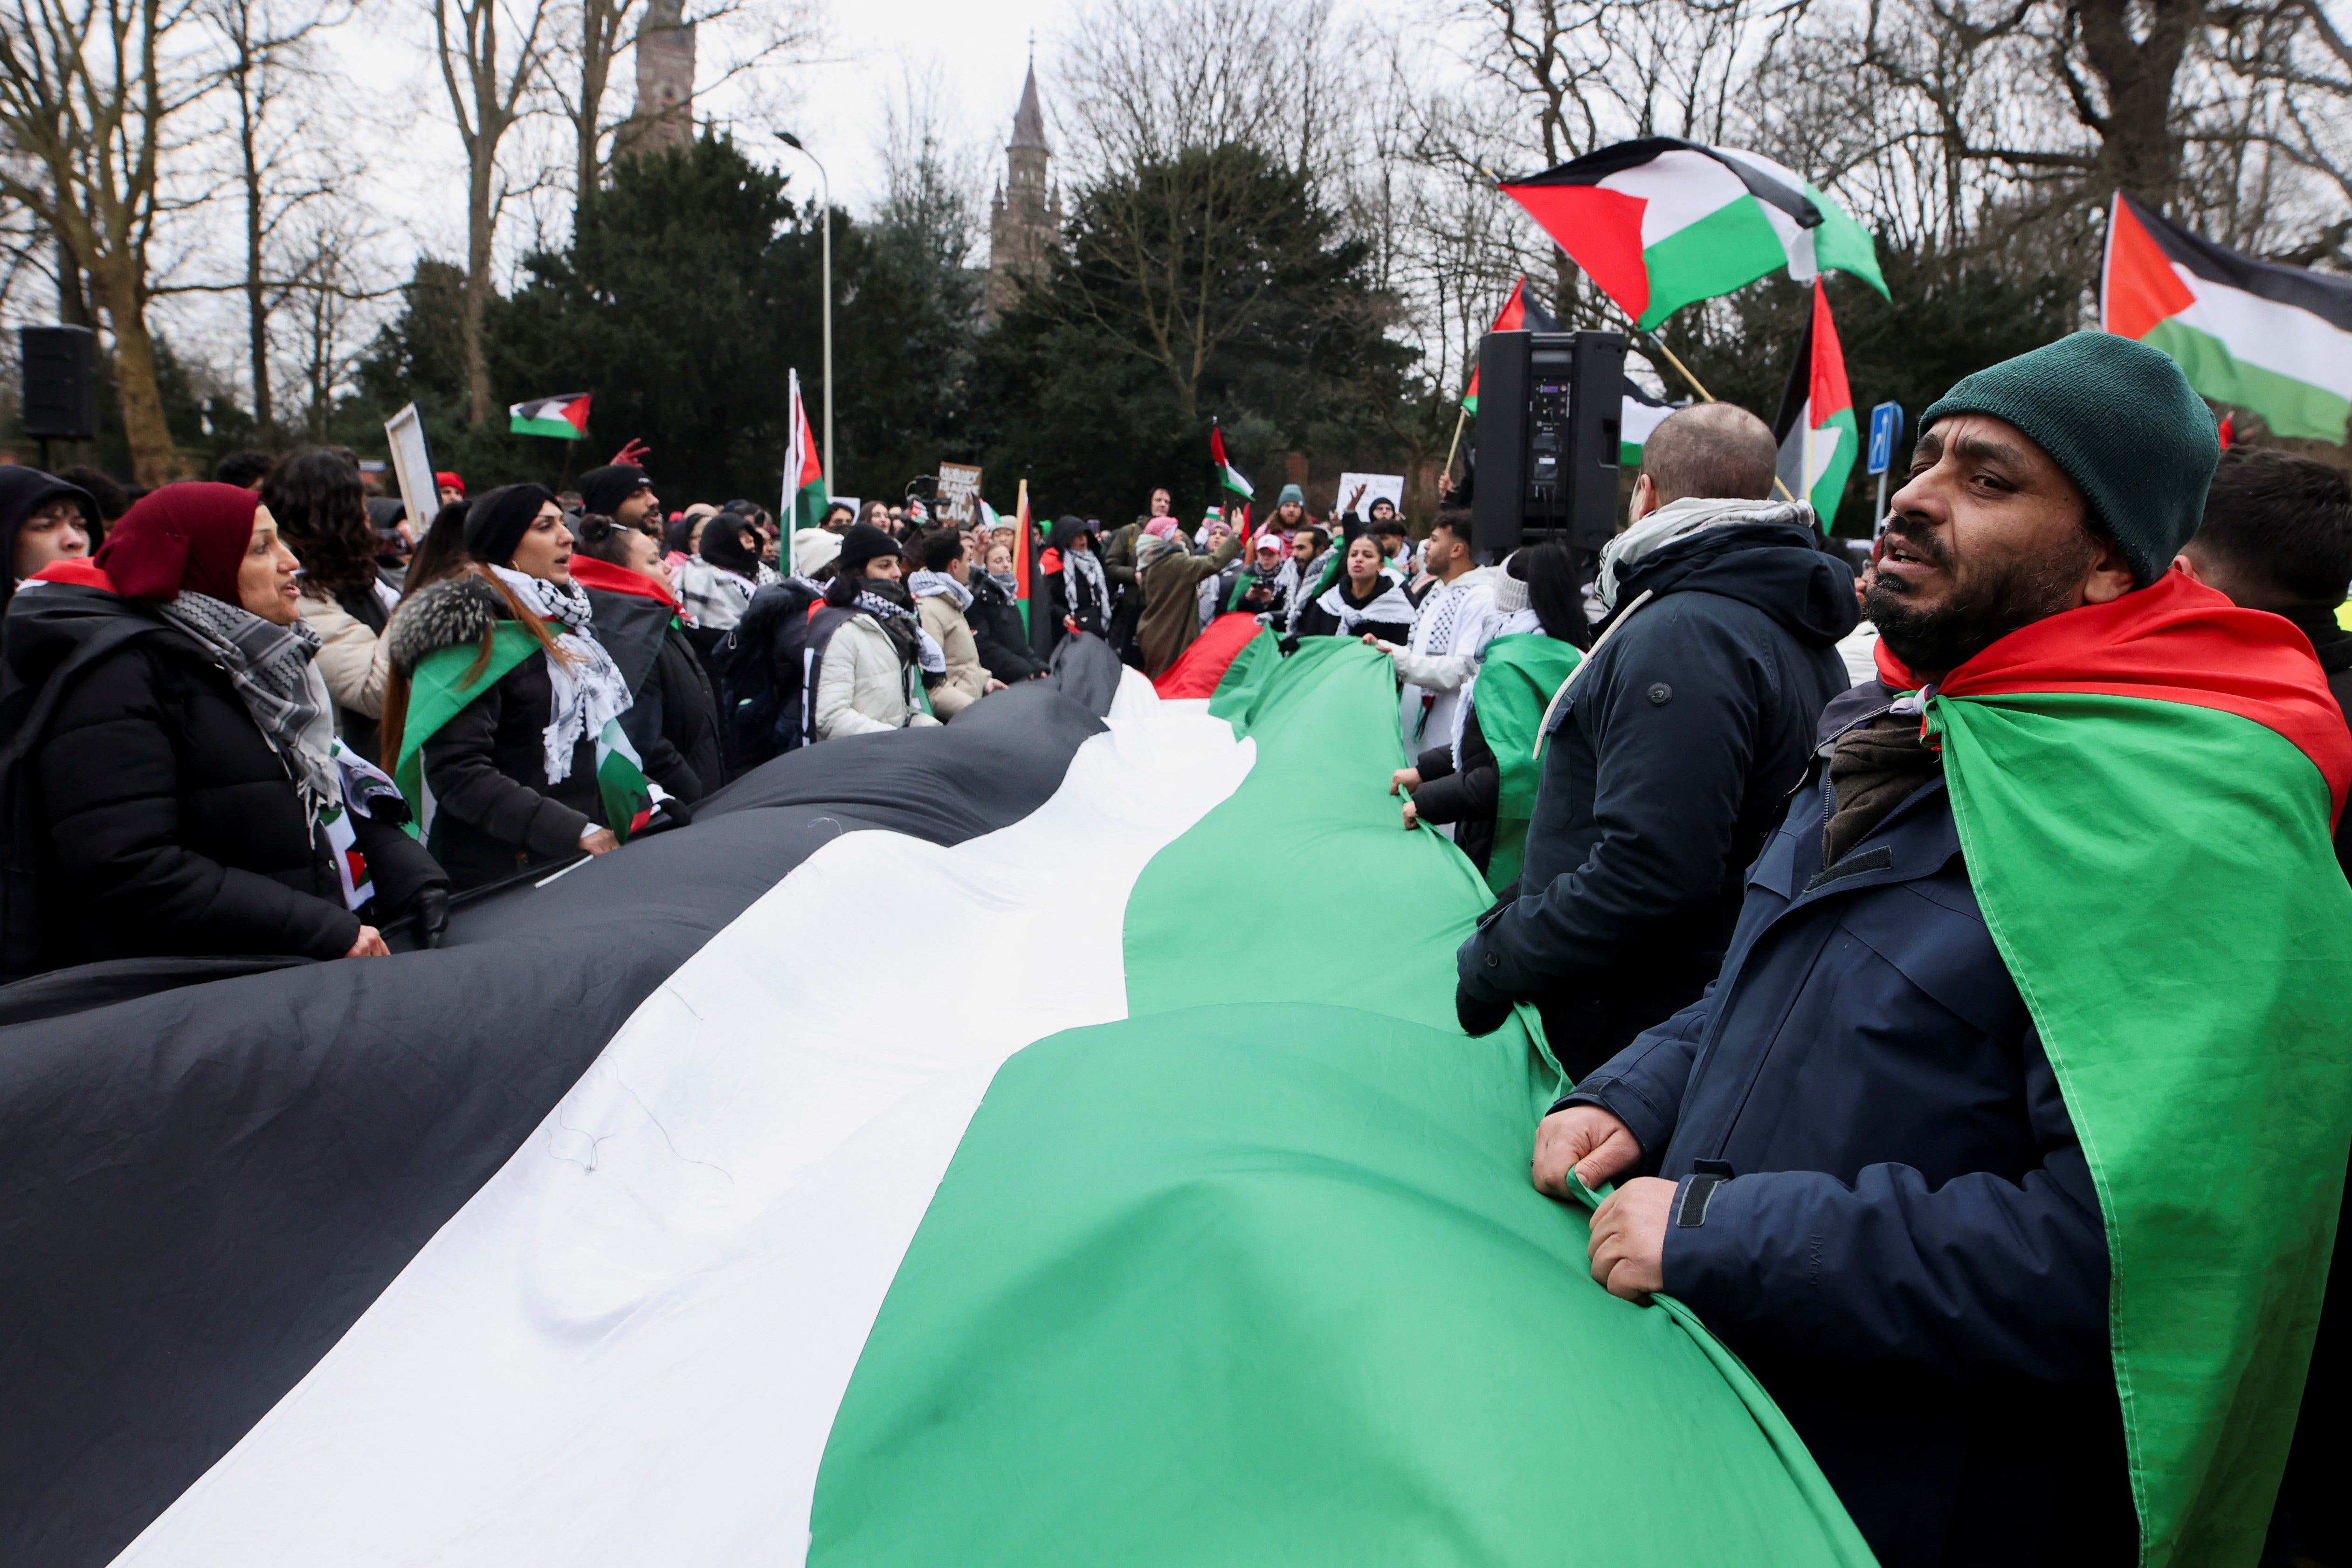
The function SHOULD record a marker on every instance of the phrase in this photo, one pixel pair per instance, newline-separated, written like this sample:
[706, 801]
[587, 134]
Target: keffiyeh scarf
[588, 689]
[940, 585]
[270, 668]
[904, 629]
[1388, 604]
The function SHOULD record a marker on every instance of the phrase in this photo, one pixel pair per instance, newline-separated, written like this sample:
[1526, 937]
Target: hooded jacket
[23, 492]
[1664, 767]
[144, 812]
[1171, 578]
[1071, 592]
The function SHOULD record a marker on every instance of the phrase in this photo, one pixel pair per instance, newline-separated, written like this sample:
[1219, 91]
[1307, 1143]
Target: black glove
[1477, 1015]
[431, 908]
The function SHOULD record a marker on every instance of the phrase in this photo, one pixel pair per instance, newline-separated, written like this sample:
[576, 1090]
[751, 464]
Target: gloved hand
[1476, 1012]
[431, 907]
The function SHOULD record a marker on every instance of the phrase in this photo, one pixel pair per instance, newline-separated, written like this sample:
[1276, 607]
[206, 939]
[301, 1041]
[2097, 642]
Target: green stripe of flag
[1729, 248]
[2158, 878]
[1256, 1274]
[2289, 406]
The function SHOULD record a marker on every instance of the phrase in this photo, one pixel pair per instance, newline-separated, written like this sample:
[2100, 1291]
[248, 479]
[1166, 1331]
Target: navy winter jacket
[1664, 770]
[1909, 1253]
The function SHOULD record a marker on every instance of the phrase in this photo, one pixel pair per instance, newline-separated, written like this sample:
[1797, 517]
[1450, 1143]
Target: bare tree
[91, 99]
[487, 84]
[332, 297]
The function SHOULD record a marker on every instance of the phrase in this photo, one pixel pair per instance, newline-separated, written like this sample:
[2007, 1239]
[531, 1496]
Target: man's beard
[1989, 605]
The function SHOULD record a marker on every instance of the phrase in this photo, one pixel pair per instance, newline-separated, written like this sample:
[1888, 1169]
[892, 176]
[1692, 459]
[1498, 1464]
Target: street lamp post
[789, 140]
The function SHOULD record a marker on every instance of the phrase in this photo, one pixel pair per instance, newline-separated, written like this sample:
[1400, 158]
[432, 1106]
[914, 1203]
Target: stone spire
[665, 110]
[1024, 220]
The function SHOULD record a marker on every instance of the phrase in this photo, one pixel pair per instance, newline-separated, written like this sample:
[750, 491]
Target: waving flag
[1518, 314]
[1228, 477]
[1661, 222]
[1640, 415]
[622, 1230]
[804, 489]
[2274, 339]
[2189, 986]
[1025, 557]
[563, 417]
[1815, 428]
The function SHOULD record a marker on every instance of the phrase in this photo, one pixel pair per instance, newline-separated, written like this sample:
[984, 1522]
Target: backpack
[762, 673]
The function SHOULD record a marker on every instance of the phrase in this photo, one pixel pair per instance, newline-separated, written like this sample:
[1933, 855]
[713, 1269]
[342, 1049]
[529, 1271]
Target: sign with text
[959, 485]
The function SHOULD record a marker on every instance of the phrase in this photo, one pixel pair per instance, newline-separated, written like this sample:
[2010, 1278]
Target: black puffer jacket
[146, 813]
[994, 617]
[676, 706]
[496, 812]
[1664, 771]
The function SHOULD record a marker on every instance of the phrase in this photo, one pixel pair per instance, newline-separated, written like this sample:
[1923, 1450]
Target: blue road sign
[1885, 430]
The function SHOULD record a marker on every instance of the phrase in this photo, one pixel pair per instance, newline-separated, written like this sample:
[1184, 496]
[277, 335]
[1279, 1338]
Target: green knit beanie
[2120, 419]
[1291, 493]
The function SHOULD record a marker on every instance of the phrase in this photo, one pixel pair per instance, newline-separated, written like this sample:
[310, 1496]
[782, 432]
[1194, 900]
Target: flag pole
[1461, 418]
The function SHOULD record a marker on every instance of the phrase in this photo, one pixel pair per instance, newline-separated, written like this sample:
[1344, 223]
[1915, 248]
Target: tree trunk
[152, 461]
[2138, 152]
[257, 308]
[477, 279]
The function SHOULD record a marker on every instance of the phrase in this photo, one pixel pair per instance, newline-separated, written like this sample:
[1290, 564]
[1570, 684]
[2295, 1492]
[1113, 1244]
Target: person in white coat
[1450, 632]
[873, 667]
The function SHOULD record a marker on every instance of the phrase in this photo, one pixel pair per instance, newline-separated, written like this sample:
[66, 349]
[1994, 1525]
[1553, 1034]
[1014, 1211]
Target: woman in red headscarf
[170, 781]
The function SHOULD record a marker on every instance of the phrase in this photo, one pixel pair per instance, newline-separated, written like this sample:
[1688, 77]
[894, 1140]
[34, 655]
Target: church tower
[665, 111]
[1025, 218]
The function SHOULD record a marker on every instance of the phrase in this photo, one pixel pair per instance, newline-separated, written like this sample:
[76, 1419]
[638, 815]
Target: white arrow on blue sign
[1885, 430]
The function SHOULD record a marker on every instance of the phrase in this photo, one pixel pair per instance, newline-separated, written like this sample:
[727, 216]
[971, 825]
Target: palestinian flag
[1228, 477]
[2274, 339]
[565, 416]
[2145, 792]
[805, 487]
[1518, 314]
[1025, 557]
[1660, 223]
[1518, 675]
[1642, 413]
[627, 1228]
[1815, 428]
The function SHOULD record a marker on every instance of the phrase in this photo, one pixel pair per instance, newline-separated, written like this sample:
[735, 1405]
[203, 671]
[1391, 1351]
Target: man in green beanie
[2005, 1149]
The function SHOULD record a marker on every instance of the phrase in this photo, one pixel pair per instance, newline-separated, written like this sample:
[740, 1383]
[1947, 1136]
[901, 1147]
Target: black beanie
[496, 522]
[862, 543]
[722, 544]
[2120, 419]
[603, 489]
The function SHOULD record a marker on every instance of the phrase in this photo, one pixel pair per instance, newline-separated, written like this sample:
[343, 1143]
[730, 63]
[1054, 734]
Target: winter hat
[812, 550]
[722, 545]
[496, 522]
[24, 491]
[603, 489]
[1160, 527]
[187, 536]
[2119, 418]
[1290, 493]
[446, 480]
[862, 543]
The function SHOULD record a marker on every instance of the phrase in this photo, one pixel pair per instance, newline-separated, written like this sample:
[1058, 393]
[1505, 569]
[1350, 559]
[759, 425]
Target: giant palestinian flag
[2274, 339]
[2145, 792]
[1518, 314]
[1659, 223]
[683, 1210]
[1815, 426]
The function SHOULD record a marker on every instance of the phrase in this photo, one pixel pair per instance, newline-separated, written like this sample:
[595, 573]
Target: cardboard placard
[959, 483]
[1375, 485]
[412, 468]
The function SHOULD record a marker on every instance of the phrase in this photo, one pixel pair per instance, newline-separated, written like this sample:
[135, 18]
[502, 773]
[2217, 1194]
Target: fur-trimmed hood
[454, 612]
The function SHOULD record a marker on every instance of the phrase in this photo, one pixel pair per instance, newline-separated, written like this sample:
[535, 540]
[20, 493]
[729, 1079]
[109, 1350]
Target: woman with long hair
[1367, 599]
[503, 744]
[321, 515]
[171, 783]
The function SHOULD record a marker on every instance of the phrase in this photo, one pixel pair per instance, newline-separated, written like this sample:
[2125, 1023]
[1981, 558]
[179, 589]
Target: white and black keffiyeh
[927, 653]
[1388, 606]
[588, 688]
[940, 585]
[271, 667]
[1085, 567]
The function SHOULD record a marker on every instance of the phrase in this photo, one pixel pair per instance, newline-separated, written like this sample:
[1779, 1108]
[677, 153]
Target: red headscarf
[185, 536]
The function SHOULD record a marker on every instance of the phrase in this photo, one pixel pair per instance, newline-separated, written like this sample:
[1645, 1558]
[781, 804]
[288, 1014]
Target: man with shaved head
[1668, 755]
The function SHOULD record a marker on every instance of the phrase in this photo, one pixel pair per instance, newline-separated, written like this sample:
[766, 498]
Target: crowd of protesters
[225, 705]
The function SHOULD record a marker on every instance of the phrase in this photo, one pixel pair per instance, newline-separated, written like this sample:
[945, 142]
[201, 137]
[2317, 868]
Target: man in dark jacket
[1872, 1186]
[994, 617]
[1668, 759]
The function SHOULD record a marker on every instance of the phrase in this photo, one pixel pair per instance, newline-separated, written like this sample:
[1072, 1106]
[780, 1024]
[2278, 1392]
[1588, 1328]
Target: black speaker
[1551, 405]
[61, 370]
